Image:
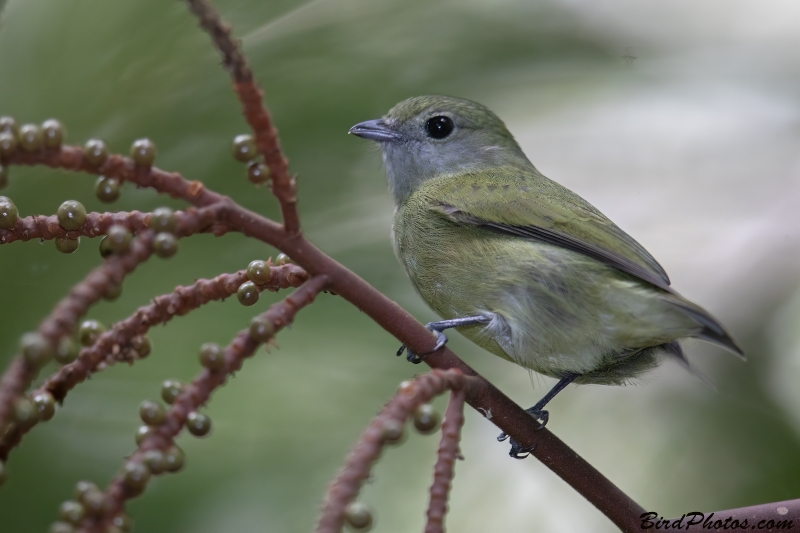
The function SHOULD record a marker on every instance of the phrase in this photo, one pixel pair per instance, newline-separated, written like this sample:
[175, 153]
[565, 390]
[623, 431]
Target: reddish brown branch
[97, 224]
[251, 97]
[114, 345]
[47, 227]
[220, 32]
[63, 319]
[343, 490]
[123, 168]
[199, 391]
[171, 183]
[444, 470]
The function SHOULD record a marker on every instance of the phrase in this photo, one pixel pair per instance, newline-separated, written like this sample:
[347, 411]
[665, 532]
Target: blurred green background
[678, 119]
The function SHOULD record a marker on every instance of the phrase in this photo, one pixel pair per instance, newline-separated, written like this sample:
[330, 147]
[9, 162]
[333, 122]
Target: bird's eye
[439, 127]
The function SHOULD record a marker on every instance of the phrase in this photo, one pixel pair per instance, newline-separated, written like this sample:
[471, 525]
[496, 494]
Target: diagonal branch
[65, 315]
[257, 116]
[197, 394]
[110, 346]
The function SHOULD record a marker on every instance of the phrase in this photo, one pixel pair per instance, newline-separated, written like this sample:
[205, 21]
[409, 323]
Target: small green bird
[525, 268]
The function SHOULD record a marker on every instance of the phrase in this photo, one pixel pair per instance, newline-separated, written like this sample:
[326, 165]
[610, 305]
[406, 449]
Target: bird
[521, 265]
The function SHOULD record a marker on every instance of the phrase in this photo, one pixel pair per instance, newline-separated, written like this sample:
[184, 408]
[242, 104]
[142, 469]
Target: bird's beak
[375, 130]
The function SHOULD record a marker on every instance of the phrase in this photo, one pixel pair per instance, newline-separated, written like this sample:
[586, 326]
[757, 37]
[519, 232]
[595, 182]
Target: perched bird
[524, 267]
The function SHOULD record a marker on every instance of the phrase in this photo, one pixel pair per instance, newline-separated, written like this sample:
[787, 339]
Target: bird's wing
[523, 203]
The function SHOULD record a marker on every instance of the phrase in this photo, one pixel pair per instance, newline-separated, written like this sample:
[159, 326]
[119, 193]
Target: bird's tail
[711, 330]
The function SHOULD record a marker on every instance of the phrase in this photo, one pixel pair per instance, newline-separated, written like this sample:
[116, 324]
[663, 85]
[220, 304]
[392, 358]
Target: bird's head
[426, 137]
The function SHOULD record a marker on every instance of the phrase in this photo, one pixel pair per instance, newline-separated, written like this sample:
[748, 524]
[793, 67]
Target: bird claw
[517, 450]
[441, 340]
[542, 416]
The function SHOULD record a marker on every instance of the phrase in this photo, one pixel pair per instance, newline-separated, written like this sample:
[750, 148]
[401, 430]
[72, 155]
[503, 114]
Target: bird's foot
[518, 451]
[439, 327]
[441, 340]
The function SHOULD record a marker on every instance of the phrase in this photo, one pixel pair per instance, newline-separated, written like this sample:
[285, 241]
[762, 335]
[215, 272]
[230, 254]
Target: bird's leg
[441, 339]
[539, 413]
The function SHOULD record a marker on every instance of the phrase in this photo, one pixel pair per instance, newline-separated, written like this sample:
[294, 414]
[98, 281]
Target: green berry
[25, 413]
[165, 245]
[283, 259]
[71, 215]
[95, 152]
[152, 413]
[53, 133]
[107, 189]
[174, 458]
[45, 405]
[358, 517]
[118, 239]
[65, 245]
[143, 152]
[170, 390]
[135, 476]
[66, 351]
[143, 433]
[61, 527]
[83, 487]
[258, 272]
[8, 144]
[212, 357]
[30, 137]
[112, 292]
[89, 331]
[72, 512]
[94, 501]
[261, 329]
[156, 461]
[142, 346]
[163, 219]
[3, 176]
[244, 148]
[9, 125]
[257, 173]
[198, 424]
[8, 213]
[36, 350]
[247, 293]
[392, 431]
[105, 251]
[426, 419]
